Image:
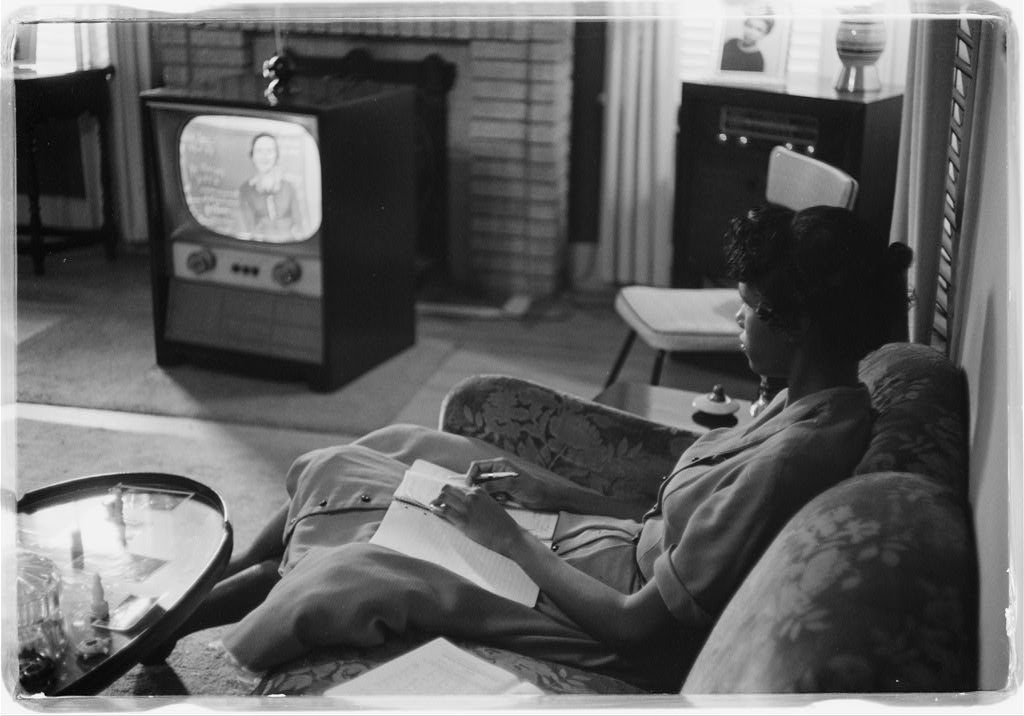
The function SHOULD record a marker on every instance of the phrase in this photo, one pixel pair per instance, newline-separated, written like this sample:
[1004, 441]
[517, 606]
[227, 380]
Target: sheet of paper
[438, 668]
[423, 535]
[423, 481]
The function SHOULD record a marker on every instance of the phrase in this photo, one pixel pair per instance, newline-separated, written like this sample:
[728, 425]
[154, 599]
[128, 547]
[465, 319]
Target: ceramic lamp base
[858, 78]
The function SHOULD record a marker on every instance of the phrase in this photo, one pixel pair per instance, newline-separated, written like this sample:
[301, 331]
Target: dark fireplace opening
[432, 77]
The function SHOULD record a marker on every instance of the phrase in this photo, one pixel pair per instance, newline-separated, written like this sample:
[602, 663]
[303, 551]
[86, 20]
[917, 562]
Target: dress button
[554, 547]
[293, 520]
[323, 503]
[364, 497]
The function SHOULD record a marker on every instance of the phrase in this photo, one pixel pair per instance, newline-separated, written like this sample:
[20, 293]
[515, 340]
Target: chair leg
[621, 359]
[659, 362]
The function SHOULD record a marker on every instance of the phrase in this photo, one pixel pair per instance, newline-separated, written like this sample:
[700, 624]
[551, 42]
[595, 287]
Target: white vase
[859, 43]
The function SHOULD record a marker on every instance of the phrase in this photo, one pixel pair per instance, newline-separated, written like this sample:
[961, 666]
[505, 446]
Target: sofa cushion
[871, 587]
[921, 401]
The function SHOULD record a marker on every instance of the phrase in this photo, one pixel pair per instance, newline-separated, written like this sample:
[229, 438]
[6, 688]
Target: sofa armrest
[604, 448]
[871, 587]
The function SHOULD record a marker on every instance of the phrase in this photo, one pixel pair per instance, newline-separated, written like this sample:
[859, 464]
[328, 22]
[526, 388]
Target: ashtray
[716, 402]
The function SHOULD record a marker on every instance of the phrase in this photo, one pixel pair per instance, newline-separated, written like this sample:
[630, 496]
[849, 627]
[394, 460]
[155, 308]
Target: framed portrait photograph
[752, 44]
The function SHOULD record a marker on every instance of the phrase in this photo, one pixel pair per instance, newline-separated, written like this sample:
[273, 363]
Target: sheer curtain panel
[129, 50]
[638, 173]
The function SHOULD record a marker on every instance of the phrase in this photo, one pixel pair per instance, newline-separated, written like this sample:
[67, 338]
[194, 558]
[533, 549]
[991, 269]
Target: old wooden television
[304, 270]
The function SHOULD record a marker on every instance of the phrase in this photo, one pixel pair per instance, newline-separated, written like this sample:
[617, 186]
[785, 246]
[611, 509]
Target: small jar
[42, 639]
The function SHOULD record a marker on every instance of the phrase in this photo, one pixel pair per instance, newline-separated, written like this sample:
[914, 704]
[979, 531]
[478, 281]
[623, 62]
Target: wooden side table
[39, 98]
[670, 406]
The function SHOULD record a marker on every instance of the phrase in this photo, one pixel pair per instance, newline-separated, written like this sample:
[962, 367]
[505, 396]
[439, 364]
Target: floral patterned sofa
[872, 587]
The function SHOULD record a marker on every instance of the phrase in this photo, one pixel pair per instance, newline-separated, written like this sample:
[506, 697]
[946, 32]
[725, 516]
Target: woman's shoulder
[835, 431]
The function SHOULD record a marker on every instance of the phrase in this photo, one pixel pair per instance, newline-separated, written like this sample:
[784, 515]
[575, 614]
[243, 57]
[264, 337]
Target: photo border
[774, 76]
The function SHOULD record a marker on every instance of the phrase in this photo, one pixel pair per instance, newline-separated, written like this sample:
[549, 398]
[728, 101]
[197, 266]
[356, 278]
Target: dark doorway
[432, 77]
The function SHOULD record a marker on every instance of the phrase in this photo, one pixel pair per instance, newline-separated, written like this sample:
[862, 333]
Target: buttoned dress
[730, 493]
[272, 215]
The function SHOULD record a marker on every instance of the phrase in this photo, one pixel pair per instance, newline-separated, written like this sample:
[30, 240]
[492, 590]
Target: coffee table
[670, 406]
[145, 534]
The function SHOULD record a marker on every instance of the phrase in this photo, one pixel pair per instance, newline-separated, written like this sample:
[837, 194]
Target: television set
[282, 227]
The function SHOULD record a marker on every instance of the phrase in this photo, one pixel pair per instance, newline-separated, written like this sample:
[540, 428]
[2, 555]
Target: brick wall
[508, 129]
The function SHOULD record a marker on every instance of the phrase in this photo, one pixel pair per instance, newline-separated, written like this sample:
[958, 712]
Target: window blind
[65, 46]
[961, 113]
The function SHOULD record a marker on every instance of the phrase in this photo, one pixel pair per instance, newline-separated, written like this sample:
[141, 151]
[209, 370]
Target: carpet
[106, 359]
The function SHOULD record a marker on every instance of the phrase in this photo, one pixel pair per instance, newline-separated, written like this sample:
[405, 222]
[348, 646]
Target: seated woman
[269, 204]
[627, 588]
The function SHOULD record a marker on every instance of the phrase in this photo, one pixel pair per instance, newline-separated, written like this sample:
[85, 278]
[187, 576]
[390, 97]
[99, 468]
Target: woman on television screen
[269, 203]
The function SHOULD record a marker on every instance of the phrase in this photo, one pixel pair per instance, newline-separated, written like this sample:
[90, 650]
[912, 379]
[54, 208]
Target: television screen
[251, 178]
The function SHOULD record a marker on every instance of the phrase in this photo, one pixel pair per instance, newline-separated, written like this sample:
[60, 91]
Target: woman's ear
[798, 334]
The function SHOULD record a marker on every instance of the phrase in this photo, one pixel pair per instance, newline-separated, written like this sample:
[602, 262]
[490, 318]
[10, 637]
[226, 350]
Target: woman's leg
[267, 545]
[245, 583]
[234, 597]
[407, 443]
[228, 601]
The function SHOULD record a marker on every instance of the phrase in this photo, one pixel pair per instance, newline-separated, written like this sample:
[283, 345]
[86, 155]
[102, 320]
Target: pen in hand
[488, 476]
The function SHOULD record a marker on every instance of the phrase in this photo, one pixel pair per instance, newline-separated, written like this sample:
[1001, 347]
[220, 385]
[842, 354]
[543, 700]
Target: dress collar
[778, 415]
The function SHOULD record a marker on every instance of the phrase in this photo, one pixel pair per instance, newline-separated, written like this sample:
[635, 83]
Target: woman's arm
[621, 620]
[535, 488]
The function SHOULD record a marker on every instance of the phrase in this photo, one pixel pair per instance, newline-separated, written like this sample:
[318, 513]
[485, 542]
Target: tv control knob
[200, 261]
[287, 272]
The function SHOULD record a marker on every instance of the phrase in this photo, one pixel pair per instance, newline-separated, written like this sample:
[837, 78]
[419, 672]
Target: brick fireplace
[508, 123]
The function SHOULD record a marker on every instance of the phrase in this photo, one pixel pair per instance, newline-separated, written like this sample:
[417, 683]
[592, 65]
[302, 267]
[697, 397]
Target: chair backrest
[798, 181]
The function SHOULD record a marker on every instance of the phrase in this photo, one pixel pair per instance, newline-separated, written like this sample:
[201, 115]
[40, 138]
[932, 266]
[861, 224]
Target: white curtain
[638, 157]
[921, 171]
[129, 51]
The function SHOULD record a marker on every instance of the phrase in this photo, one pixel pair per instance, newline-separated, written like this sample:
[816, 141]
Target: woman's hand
[516, 481]
[482, 519]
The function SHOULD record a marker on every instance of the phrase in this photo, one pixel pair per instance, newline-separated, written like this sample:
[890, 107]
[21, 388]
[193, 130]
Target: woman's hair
[258, 137]
[823, 264]
[769, 23]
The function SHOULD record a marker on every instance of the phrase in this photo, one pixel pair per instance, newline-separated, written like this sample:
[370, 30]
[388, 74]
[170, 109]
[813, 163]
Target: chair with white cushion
[703, 320]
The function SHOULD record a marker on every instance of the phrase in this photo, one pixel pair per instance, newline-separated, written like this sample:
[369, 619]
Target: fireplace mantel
[508, 133]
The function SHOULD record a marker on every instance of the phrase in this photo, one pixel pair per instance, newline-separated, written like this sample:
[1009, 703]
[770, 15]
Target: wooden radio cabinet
[725, 135]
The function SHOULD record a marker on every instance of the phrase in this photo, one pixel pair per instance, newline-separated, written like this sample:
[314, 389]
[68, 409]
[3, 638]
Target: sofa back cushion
[921, 402]
[871, 587]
